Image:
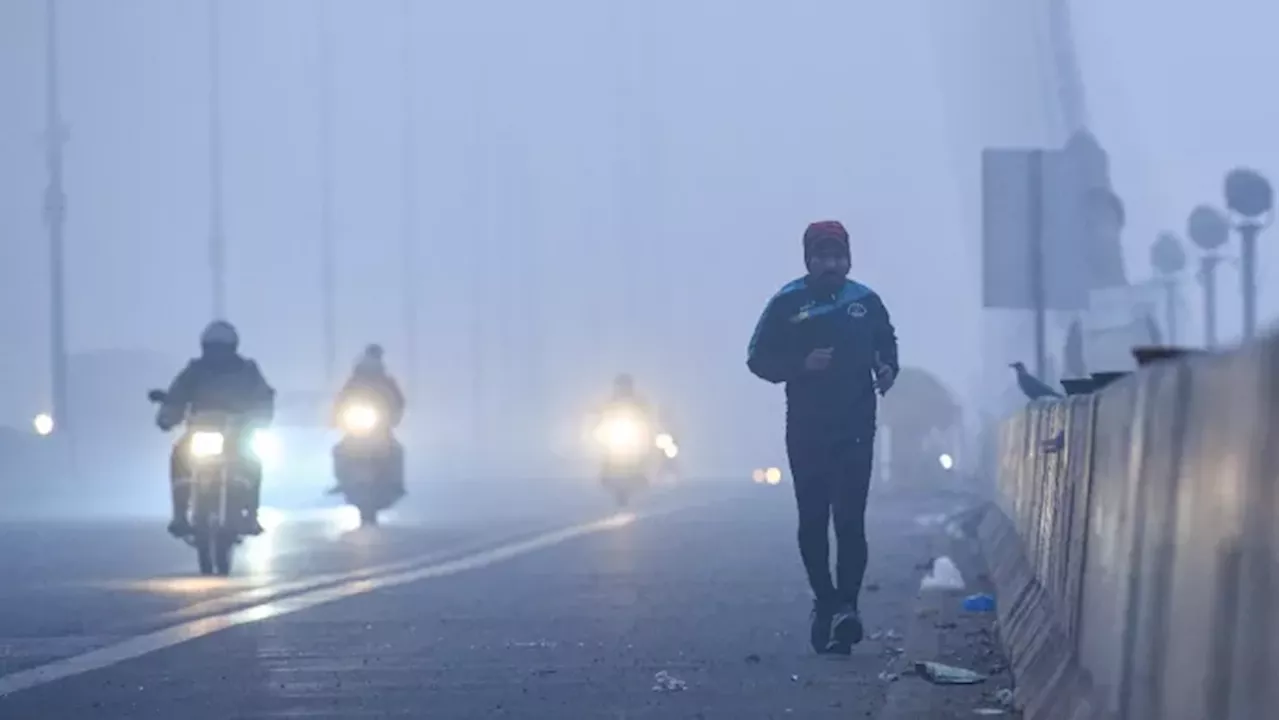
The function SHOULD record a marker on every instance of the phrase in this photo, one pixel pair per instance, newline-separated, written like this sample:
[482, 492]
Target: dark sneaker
[249, 525]
[820, 619]
[846, 631]
[179, 527]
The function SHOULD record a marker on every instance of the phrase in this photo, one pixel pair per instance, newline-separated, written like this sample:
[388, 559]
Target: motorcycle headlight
[265, 446]
[622, 434]
[206, 444]
[359, 419]
[946, 461]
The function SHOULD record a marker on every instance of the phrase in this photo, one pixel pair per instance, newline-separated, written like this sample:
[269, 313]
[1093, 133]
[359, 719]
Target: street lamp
[55, 214]
[1250, 198]
[43, 424]
[1209, 229]
[217, 238]
[328, 311]
[1169, 259]
[409, 184]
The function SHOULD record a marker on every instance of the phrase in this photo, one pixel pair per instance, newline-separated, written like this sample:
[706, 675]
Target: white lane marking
[140, 645]
[271, 590]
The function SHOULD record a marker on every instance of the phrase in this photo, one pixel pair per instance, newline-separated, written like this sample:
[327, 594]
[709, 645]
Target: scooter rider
[220, 380]
[371, 382]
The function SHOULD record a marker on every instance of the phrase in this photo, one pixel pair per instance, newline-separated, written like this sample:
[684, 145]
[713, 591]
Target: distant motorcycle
[219, 447]
[366, 461]
[633, 453]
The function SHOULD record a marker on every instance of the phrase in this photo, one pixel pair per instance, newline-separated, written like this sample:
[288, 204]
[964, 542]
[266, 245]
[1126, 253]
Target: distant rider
[625, 397]
[371, 383]
[222, 381]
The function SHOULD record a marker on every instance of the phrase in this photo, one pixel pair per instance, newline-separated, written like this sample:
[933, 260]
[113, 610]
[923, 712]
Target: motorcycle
[366, 460]
[218, 446]
[629, 445]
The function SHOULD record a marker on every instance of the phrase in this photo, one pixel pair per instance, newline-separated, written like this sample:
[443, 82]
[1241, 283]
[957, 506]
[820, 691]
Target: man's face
[828, 266]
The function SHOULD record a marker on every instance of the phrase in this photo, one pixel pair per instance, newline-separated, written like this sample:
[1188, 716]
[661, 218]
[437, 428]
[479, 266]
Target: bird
[1030, 385]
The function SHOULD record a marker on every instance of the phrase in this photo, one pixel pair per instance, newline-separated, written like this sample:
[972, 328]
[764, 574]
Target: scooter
[368, 462]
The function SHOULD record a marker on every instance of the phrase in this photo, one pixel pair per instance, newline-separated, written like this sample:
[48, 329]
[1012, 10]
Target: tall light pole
[1169, 259]
[217, 238]
[1251, 199]
[1209, 230]
[409, 183]
[55, 215]
[327, 290]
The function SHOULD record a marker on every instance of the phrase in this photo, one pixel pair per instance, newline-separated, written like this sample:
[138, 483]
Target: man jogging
[831, 342]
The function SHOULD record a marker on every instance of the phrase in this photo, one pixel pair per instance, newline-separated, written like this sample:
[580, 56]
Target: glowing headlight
[946, 461]
[773, 476]
[43, 424]
[265, 446]
[671, 451]
[206, 444]
[358, 418]
[622, 434]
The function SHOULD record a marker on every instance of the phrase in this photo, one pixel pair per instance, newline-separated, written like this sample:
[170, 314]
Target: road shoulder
[942, 631]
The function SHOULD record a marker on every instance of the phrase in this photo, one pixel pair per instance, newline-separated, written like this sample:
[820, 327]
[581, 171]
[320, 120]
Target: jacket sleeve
[886, 338]
[397, 400]
[770, 355]
[262, 400]
[178, 399]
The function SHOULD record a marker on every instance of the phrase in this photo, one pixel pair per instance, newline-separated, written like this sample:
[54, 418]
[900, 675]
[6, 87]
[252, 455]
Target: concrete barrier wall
[1135, 544]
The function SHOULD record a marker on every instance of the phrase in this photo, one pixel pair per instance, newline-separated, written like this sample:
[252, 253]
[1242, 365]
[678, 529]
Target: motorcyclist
[625, 399]
[371, 382]
[830, 340]
[624, 395]
[220, 380]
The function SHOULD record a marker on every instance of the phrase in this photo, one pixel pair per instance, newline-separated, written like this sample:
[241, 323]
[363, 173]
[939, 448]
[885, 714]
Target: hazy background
[601, 186]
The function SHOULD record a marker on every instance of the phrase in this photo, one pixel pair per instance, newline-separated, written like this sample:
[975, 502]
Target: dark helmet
[370, 362]
[220, 334]
[624, 384]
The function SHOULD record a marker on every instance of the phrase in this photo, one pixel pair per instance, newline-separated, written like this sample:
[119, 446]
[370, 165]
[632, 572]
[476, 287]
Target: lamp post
[409, 184]
[1251, 199]
[1169, 259]
[1209, 230]
[217, 239]
[55, 216]
[328, 317]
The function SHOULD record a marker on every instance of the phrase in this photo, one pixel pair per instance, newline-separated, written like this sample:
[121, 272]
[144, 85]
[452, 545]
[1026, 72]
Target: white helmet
[220, 332]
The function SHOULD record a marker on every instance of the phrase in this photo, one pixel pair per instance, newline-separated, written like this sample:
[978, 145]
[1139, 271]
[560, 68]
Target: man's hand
[818, 360]
[884, 378]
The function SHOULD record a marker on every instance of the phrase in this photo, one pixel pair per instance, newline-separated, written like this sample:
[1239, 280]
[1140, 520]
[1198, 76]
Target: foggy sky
[600, 186]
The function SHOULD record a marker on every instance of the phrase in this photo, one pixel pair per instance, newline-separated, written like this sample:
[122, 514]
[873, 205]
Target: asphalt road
[519, 602]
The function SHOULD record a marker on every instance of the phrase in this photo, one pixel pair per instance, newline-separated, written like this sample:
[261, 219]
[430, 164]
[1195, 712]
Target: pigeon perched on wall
[1030, 385]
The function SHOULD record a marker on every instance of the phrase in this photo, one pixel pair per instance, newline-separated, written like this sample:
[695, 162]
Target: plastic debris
[944, 575]
[941, 674]
[886, 676]
[982, 602]
[931, 520]
[753, 659]
[664, 681]
[542, 644]
[988, 711]
[1004, 696]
